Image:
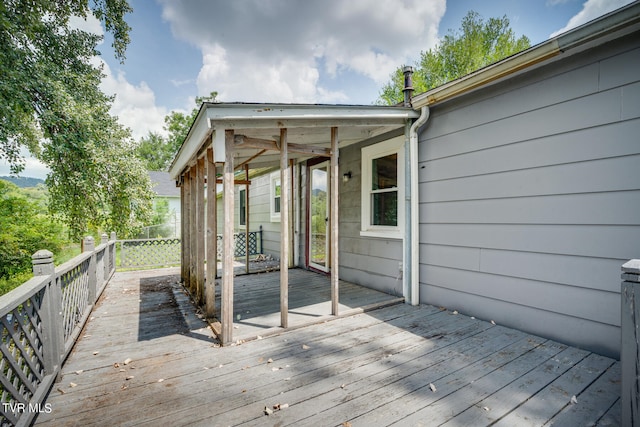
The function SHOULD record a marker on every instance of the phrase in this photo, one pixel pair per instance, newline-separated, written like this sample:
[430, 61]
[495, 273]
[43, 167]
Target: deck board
[372, 368]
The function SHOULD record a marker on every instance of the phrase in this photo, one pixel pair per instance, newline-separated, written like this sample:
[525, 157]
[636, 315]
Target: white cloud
[281, 51]
[591, 9]
[135, 105]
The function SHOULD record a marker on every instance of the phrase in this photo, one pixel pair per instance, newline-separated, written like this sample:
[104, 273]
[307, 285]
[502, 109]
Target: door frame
[312, 164]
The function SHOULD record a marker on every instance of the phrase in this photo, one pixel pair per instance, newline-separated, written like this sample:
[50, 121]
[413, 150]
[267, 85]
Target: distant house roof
[163, 185]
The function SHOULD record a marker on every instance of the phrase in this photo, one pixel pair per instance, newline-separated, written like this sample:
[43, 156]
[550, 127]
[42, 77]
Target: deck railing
[165, 252]
[41, 320]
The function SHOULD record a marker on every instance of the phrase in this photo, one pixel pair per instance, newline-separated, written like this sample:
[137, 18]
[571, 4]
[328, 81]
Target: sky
[312, 51]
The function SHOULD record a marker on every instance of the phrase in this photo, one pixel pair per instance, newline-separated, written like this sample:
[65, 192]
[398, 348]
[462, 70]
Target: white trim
[274, 177]
[391, 146]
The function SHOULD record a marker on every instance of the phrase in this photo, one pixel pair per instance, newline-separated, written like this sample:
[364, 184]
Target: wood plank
[284, 230]
[592, 404]
[200, 232]
[557, 395]
[226, 317]
[369, 369]
[193, 230]
[334, 223]
[212, 237]
[243, 141]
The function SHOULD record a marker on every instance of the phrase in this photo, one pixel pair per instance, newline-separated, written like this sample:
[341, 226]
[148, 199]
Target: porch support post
[226, 318]
[212, 240]
[246, 218]
[292, 249]
[183, 210]
[193, 249]
[333, 222]
[186, 217]
[284, 230]
[200, 231]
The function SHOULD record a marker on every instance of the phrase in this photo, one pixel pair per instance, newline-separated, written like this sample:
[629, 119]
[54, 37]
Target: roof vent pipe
[407, 70]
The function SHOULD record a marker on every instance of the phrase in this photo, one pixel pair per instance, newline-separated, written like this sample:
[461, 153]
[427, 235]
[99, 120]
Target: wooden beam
[226, 318]
[192, 231]
[200, 231]
[333, 222]
[242, 141]
[184, 230]
[236, 181]
[250, 159]
[291, 217]
[212, 238]
[284, 230]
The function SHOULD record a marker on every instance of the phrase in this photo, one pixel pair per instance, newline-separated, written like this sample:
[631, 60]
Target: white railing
[40, 322]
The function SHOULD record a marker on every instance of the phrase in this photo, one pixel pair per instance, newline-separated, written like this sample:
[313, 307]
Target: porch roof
[257, 129]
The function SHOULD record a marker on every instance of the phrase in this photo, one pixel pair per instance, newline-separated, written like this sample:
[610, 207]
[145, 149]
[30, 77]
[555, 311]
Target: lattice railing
[239, 245]
[144, 253]
[39, 323]
[22, 364]
[75, 296]
[149, 253]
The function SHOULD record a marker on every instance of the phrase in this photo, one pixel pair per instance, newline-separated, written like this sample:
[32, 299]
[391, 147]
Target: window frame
[275, 178]
[242, 194]
[368, 154]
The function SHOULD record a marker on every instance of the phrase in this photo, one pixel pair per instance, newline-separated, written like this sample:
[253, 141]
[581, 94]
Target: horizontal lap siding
[530, 198]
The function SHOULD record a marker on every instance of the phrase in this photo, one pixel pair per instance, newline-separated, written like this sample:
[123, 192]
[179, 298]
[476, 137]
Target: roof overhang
[257, 129]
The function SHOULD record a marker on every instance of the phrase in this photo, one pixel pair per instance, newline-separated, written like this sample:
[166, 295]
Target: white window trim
[275, 216]
[395, 145]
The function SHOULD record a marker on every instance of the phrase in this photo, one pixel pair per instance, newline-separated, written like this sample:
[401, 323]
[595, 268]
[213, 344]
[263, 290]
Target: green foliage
[157, 151]
[51, 103]
[478, 43]
[24, 229]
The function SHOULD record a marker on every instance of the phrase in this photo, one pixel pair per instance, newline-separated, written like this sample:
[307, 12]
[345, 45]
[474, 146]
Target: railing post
[90, 246]
[112, 252]
[42, 262]
[630, 348]
[106, 257]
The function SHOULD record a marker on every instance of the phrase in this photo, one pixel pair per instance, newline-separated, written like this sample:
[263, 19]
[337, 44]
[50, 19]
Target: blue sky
[312, 51]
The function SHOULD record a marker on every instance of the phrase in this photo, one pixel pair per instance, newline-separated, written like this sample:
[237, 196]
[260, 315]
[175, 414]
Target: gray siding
[529, 198]
[367, 261]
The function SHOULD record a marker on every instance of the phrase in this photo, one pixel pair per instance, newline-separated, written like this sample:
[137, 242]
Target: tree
[157, 151]
[24, 229]
[50, 102]
[476, 45]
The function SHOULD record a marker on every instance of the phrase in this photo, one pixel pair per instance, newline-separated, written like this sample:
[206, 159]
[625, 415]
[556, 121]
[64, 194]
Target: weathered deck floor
[369, 369]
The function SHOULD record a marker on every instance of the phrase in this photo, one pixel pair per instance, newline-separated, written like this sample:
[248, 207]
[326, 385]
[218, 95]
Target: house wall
[367, 261]
[529, 198]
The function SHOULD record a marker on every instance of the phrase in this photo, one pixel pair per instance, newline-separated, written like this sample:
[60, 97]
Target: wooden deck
[145, 359]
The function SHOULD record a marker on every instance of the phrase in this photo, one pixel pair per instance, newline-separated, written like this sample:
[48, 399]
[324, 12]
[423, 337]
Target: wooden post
[193, 230]
[90, 246]
[186, 231]
[292, 246]
[246, 218]
[200, 231]
[333, 222]
[212, 238]
[284, 230]
[42, 262]
[630, 324]
[182, 233]
[226, 319]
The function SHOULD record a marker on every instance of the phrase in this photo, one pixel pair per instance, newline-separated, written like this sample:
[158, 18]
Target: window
[243, 207]
[382, 189]
[275, 197]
